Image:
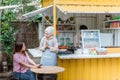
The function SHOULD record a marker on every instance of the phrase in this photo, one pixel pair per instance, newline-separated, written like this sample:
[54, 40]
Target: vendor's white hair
[50, 30]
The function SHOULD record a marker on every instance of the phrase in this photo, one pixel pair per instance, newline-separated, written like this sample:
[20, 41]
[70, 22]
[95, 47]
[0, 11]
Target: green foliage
[7, 16]
[14, 2]
[7, 39]
[7, 35]
[47, 17]
[7, 32]
[71, 18]
[59, 19]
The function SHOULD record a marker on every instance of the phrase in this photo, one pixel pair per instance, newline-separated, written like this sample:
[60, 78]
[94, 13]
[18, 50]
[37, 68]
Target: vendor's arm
[42, 46]
[55, 47]
[76, 40]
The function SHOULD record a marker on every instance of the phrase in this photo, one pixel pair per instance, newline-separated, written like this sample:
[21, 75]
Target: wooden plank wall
[28, 33]
[90, 69]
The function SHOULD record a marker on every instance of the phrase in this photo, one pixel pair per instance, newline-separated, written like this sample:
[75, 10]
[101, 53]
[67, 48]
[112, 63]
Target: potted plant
[71, 19]
[59, 20]
[67, 21]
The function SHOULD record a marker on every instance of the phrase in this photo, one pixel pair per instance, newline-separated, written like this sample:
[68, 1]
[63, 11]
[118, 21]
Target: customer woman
[21, 62]
[49, 47]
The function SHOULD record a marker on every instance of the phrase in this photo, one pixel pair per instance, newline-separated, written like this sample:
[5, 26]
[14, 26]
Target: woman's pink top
[17, 58]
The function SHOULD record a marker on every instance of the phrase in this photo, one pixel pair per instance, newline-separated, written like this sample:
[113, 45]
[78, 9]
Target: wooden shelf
[66, 31]
[112, 24]
[65, 24]
[111, 28]
[112, 21]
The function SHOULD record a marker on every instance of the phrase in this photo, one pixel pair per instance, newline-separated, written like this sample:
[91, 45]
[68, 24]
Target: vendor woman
[82, 27]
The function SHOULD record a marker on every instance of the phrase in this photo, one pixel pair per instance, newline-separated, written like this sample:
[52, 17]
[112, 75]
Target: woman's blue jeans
[24, 76]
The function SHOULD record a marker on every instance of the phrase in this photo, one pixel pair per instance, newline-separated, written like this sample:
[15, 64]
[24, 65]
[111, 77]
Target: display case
[113, 26]
[89, 39]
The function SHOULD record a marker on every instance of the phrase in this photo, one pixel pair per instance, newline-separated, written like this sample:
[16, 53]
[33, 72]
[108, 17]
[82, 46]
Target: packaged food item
[93, 51]
[101, 51]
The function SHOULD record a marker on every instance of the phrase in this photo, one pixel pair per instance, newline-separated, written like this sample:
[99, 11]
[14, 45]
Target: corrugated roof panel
[89, 9]
[90, 2]
[86, 6]
[102, 1]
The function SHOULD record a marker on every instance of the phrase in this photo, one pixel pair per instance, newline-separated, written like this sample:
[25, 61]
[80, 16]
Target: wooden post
[54, 16]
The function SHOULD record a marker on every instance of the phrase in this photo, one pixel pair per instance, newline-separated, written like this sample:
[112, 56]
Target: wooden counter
[90, 67]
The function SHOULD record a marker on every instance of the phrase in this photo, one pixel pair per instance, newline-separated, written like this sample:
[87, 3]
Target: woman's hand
[36, 66]
[51, 49]
[47, 45]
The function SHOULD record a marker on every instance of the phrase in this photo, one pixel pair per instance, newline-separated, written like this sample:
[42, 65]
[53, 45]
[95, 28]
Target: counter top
[36, 53]
[82, 56]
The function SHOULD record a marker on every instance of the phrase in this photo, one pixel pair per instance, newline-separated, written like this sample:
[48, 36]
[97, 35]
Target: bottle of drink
[62, 41]
[67, 41]
[4, 64]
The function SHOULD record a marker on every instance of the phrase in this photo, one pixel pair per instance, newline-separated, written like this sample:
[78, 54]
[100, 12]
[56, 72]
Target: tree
[7, 36]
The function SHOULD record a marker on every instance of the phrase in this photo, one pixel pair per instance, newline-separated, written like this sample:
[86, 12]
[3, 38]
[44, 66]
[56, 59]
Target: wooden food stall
[88, 67]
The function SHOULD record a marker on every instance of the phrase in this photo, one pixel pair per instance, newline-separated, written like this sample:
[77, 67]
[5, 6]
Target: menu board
[90, 38]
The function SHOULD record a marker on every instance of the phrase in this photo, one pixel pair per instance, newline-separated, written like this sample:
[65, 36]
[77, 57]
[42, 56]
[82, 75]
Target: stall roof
[86, 6]
[36, 12]
[89, 8]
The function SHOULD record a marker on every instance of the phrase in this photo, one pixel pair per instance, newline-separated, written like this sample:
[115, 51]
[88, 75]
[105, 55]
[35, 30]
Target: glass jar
[62, 41]
[67, 41]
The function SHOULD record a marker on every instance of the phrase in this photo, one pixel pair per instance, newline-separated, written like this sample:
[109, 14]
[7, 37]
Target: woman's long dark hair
[83, 27]
[17, 47]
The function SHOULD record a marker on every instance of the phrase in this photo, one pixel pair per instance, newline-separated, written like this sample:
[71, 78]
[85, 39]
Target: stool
[47, 76]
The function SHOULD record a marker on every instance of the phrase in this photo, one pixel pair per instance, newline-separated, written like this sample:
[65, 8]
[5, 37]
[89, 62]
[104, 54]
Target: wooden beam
[35, 12]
